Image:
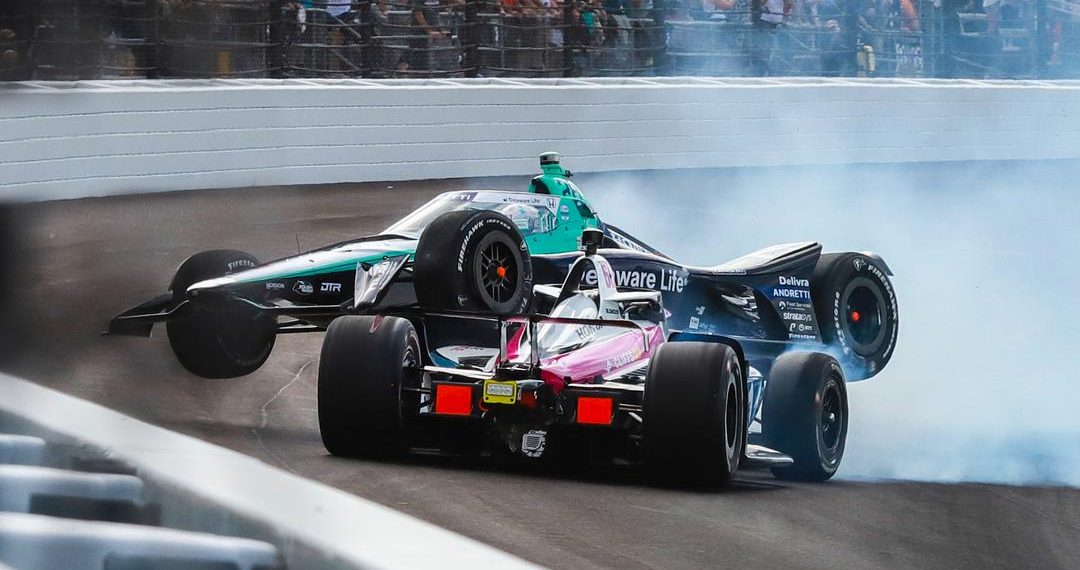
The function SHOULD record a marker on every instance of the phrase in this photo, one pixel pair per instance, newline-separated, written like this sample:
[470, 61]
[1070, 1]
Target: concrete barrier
[67, 140]
[206, 488]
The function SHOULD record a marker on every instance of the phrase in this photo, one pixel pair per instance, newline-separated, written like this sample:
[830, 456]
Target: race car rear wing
[531, 321]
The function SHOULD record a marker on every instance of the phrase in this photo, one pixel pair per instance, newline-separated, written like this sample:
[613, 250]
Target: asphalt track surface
[83, 261]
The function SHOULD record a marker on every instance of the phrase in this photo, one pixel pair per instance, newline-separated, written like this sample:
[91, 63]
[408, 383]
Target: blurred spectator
[432, 49]
[835, 55]
[716, 9]
[425, 21]
[553, 20]
[766, 16]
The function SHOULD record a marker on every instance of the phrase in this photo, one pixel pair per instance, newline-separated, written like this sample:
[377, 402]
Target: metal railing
[82, 39]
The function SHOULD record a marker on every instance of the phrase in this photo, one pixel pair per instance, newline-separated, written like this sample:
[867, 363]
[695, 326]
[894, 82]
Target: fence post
[471, 40]
[851, 42]
[275, 47]
[658, 42]
[367, 30]
[568, 47]
[1042, 38]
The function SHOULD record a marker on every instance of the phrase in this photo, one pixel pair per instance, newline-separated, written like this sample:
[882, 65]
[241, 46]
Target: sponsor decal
[611, 311]
[800, 317]
[794, 336]
[330, 288]
[275, 286]
[239, 264]
[609, 278]
[700, 310]
[619, 360]
[465, 245]
[859, 263]
[665, 280]
[542, 201]
[585, 331]
[564, 209]
[792, 288]
[303, 288]
[694, 322]
[625, 243]
[785, 293]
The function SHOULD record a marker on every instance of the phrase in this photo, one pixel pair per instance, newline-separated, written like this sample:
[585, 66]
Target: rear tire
[365, 363]
[805, 415]
[223, 341]
[856, 310]
[695, 413]
[473, 260]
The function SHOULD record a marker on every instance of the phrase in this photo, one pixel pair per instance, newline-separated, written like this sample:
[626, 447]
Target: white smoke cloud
[984, 384]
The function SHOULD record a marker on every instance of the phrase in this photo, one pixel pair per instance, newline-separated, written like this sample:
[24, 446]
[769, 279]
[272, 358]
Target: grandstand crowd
[93, 39]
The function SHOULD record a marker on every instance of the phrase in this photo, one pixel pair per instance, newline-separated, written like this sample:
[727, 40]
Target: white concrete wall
[65, 140]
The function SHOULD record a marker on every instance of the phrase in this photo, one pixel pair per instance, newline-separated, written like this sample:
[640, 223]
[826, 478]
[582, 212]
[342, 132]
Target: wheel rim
[831, 422]
[496, 271]
[863, 318]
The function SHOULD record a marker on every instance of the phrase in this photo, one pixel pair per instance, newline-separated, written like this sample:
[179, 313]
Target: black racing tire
[473, 260]
[367, 365]
[222, 340]
[856, 308]
[805, 415]
[695, 413]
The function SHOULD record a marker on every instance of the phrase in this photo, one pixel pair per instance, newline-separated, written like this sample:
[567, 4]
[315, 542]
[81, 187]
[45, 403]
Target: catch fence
[89, 39]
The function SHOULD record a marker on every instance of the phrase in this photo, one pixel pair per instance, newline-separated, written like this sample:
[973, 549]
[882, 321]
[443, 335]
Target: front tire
[805, 415]
[695, 413]
[367, 365]
[226, 340]
[473, 260]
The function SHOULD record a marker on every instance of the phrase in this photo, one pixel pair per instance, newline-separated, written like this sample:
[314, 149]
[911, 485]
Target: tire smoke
[983, 385]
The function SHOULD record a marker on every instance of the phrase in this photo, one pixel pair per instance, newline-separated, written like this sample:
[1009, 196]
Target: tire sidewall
[830, 459]
[686, 413]
[362, 404]
[841, 273]
[792, 414]
[731, 385]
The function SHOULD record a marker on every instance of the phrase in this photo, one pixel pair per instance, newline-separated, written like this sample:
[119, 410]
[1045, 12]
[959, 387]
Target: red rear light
[453, 400]
[594, 411]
